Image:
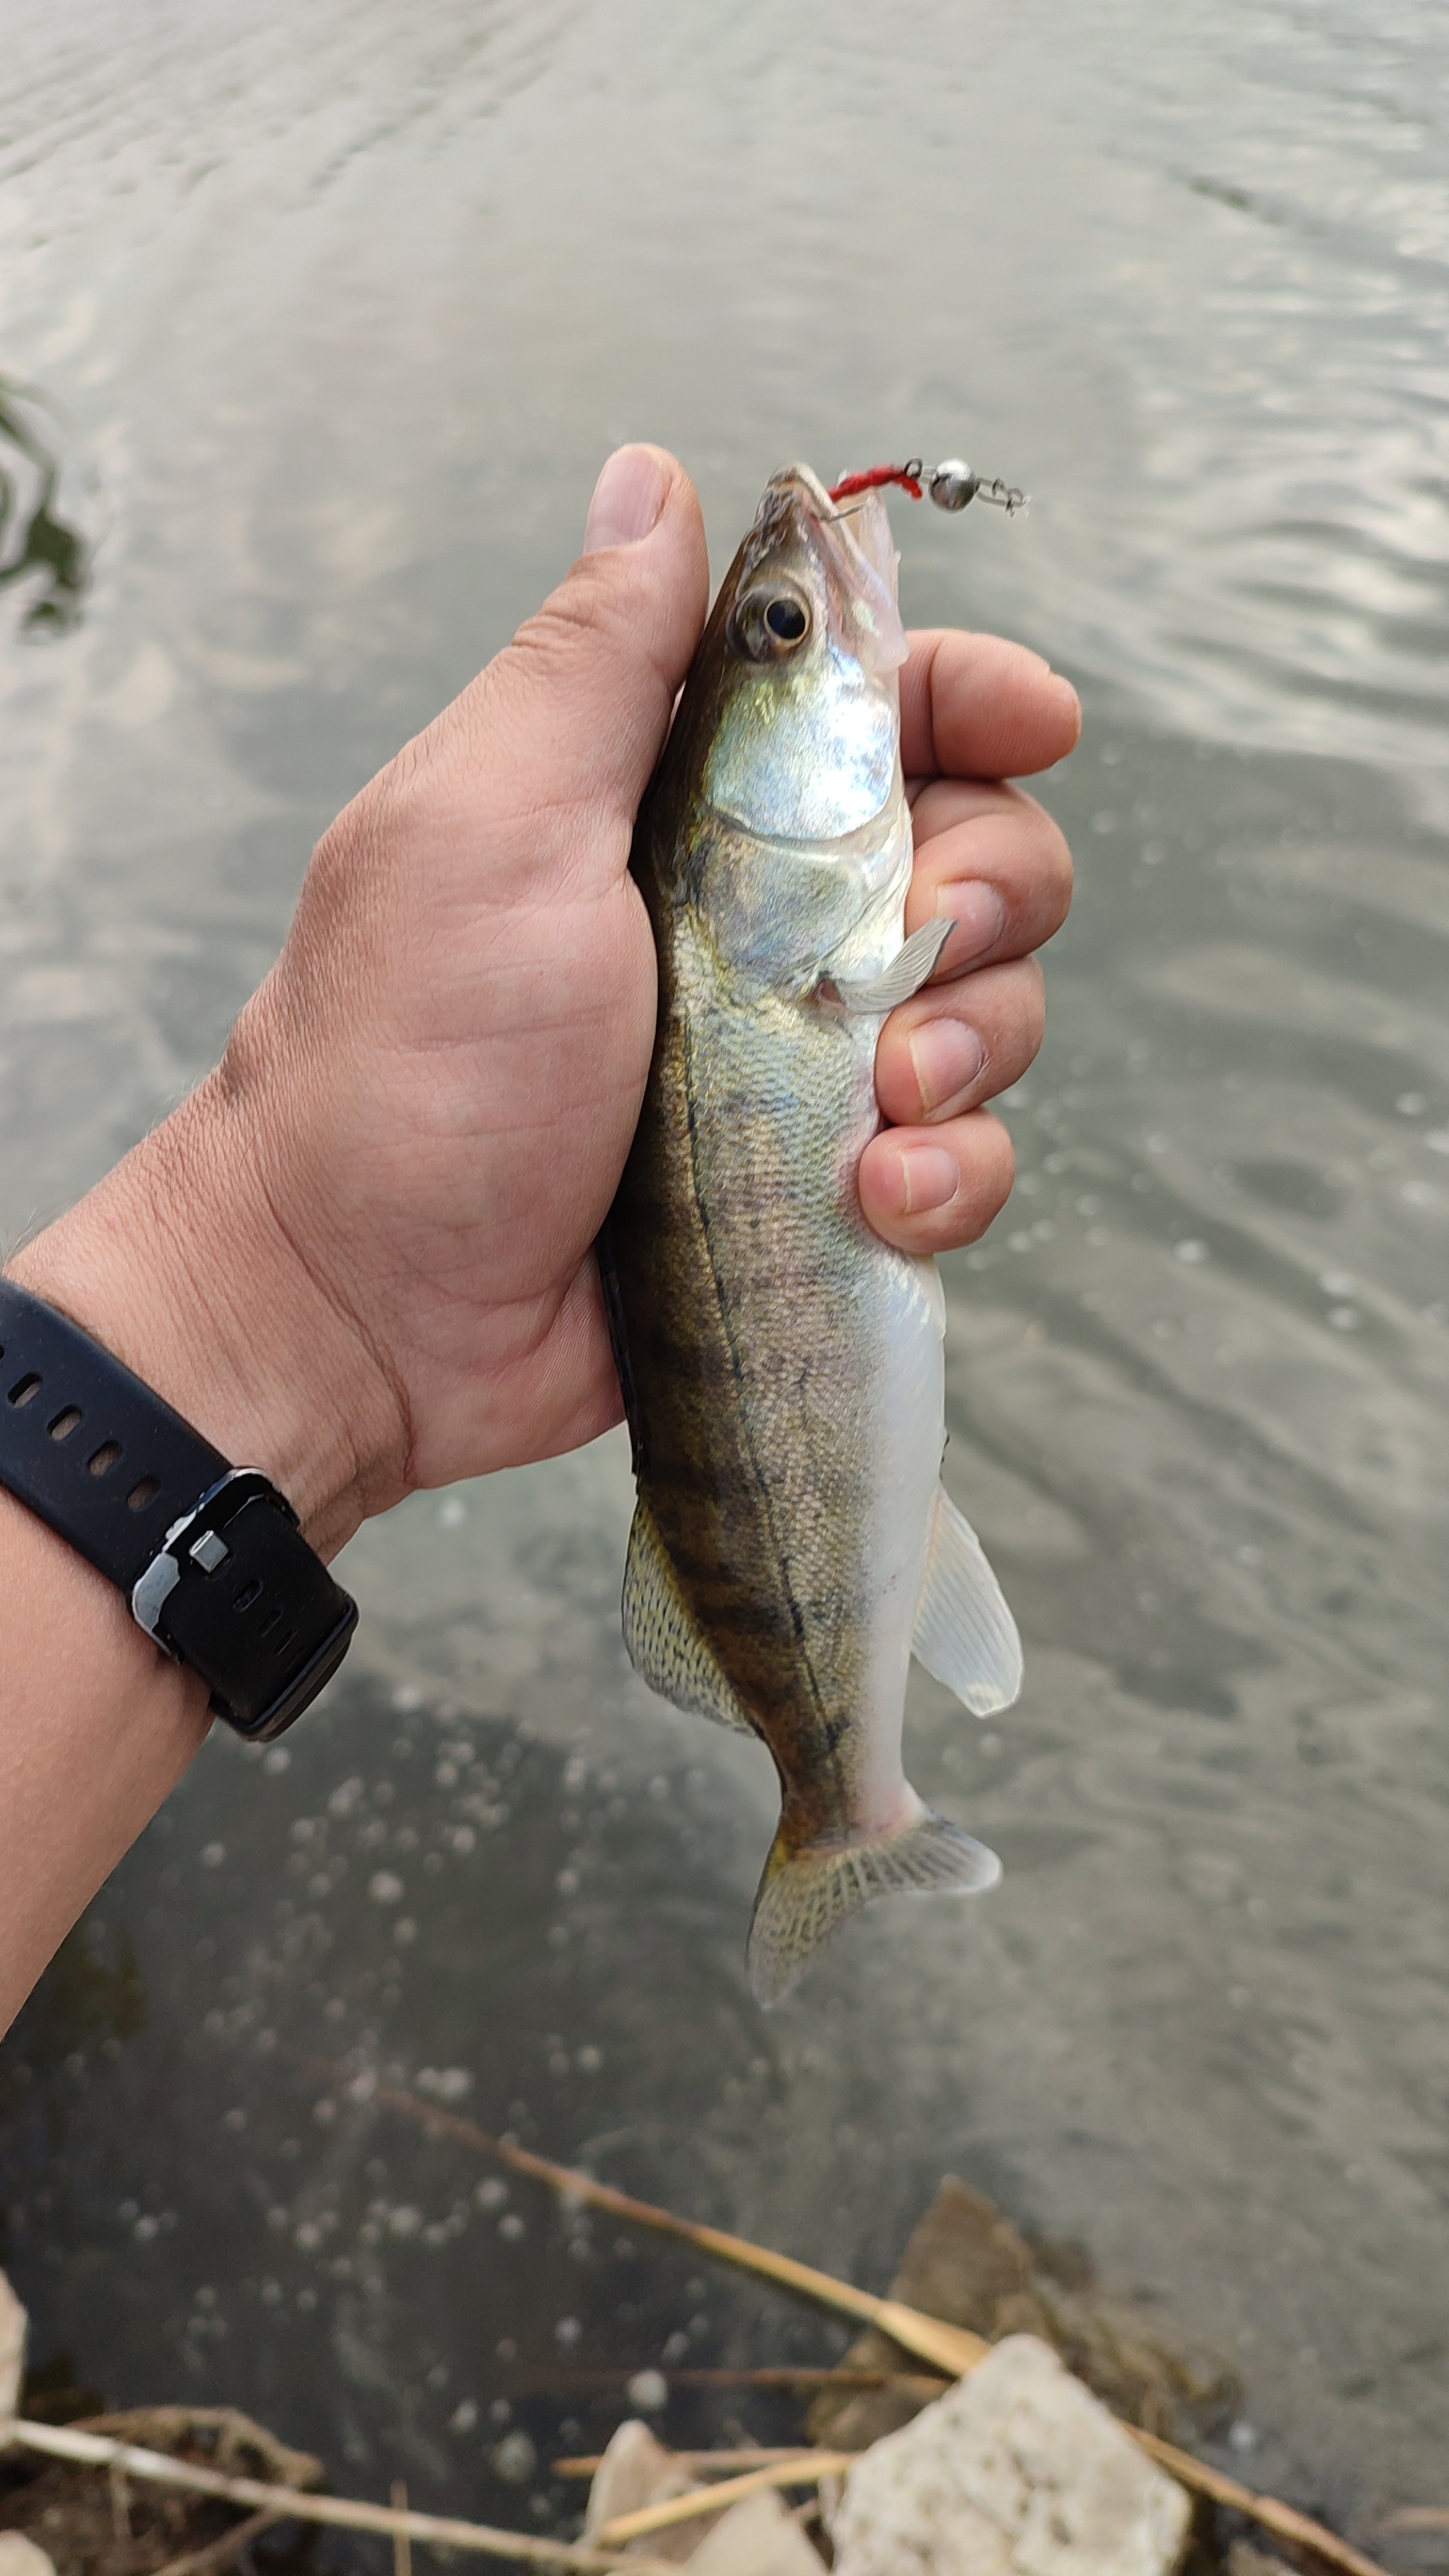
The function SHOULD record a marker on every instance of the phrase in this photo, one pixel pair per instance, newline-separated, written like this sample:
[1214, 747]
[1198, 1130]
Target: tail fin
[806, 1895]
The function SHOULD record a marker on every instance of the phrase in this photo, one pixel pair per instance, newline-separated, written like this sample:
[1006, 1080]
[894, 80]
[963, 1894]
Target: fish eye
[768, 625]
[786, 620]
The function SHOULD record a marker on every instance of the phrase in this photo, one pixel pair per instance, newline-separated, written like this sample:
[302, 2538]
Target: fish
[782, 1367]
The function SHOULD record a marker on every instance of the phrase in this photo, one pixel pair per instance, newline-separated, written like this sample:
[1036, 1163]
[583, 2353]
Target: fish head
[801, 661]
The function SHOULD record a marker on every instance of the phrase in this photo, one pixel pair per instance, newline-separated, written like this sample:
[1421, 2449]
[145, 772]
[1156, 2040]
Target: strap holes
[64, 1423]
[249, 1593]
[269, 1623]
[284, 1641]
[102, 1460]
[23, 1389]
[140, 1495]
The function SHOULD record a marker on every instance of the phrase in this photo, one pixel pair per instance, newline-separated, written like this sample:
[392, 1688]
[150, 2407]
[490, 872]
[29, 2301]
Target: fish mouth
[855, 552]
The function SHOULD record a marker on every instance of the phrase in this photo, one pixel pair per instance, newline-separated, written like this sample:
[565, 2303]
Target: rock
[1017, 2471]
[966, 2262]
[757, 2537]
[636, 2471]
[13, 2326]
[21, 2557]
[963, 2261]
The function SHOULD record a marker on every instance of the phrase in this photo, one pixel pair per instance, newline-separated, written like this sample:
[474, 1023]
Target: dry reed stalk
[953, 2349]
[784, 2473]
[402, 2547]
[703, 2464]
[219, 2553]
[1418, 2517]
[343, 2513]
[915, 2383]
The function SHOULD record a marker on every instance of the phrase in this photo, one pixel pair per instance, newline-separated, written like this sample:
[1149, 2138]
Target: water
[338, 312]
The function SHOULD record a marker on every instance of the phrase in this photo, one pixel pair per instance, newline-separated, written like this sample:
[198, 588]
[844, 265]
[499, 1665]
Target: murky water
[338, 309]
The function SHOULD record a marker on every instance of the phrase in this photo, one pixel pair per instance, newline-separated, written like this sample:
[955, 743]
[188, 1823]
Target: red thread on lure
[908, 476]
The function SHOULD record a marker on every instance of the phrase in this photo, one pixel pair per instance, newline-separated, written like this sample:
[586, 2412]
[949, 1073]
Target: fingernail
[929, 1178]
[946, 1057]
[979, 915]
[628, 498]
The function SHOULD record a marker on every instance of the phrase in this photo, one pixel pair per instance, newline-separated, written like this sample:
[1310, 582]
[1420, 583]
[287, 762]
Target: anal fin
[806, 1895]
[912, 966]
[964, 1634]
[663, 1641]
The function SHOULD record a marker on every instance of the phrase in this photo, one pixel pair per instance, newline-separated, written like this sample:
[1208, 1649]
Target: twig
[951, 2348]
[701, 2464]
[1418, 2517]
[402, 2547]
[784, 2473]
[915, 2383]
[1283, 2519]
[347, 2513]
[219, 2553]
[120, 2505]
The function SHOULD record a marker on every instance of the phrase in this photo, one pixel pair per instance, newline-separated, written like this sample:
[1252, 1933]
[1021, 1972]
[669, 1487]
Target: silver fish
[782, 1367]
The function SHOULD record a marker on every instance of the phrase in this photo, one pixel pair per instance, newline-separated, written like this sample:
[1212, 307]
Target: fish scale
[782, 1366]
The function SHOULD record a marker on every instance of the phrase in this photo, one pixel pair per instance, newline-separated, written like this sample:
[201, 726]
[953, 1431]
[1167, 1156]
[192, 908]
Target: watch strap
[209, 1556]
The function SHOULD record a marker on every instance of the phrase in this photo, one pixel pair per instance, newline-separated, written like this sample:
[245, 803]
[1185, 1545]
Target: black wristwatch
[209, 1555]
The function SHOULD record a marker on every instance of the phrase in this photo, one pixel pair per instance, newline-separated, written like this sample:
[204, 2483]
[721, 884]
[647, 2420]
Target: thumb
[568, 720]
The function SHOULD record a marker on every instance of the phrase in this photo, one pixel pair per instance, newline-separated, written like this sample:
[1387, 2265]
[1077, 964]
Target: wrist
[179, 1263]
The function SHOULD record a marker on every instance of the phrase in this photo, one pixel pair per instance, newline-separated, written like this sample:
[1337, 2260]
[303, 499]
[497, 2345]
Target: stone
[1017, 2471]
[21, 2557]
[757, 2537]
[965, 2261]
[14, 2324]
[636, 2471]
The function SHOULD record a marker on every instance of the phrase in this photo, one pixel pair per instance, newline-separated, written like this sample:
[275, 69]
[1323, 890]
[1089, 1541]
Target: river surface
[338, 308]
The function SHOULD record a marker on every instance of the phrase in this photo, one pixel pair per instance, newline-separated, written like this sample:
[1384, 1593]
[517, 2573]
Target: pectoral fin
[910, 968]
[965, 1635]
[663, 1642]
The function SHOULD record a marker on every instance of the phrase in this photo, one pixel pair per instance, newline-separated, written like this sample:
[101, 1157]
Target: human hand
[360, 1255]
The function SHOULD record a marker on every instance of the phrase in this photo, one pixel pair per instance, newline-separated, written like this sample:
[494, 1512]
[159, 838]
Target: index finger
[974, 706]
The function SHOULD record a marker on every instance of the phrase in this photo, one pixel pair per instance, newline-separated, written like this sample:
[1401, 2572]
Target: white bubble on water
[384, 1887]
[648, 2392]
[514, 2459]
[445, 2083]
[464, 2417]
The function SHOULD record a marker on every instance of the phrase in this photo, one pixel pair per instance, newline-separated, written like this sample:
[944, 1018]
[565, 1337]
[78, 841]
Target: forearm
[175, 1263]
